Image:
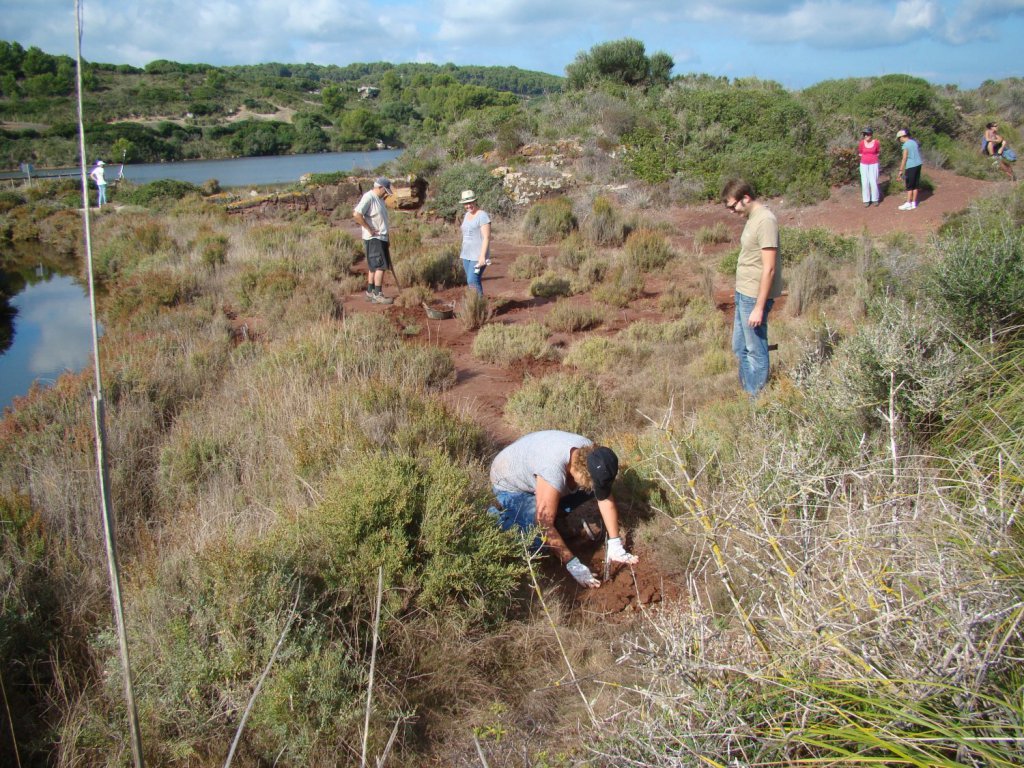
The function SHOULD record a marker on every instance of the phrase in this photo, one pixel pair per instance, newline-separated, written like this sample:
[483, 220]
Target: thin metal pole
[99, 416]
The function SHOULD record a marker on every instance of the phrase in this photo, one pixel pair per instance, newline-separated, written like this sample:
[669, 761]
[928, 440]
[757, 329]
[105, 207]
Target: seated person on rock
[544, 475]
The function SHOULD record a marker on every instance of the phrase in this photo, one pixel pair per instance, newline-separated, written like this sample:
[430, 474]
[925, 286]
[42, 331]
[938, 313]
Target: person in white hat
[97, 175]
[476, 240]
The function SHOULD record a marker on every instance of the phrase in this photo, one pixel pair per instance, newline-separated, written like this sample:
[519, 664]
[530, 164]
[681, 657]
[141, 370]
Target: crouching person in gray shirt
[544, 474]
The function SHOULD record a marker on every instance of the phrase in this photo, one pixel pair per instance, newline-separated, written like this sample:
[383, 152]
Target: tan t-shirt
[761, 231]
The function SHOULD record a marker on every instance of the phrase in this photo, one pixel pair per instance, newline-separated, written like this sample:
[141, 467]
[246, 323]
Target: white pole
[100, 427]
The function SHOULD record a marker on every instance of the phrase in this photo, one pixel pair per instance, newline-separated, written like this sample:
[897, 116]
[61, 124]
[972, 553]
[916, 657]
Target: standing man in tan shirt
[758, 283]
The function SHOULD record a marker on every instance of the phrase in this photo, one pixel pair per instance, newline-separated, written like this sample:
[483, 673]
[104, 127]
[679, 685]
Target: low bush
[505, 344]
[549, 221]
[473, 311]
[712, 235]
[622, 284]
[809, 283]
[438, 268]
[527, 266]
[568, 402]
[604, 225]
[796, 244]
[979, 280]
[549, 286]
[648, 250]
[163, 189]
[569, 317]
[572, 252]
[212, 249]
[147, 293]
[594, 354]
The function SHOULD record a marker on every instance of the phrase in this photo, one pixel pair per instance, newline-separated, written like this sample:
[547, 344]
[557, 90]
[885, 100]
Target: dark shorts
[912, 177]
[378, 256]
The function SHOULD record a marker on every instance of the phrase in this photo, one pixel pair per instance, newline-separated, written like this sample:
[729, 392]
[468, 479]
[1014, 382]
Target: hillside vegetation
[848, 547]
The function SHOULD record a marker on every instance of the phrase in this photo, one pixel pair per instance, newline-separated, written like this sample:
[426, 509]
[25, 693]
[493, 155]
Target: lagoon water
[52, 326]
[239, 171]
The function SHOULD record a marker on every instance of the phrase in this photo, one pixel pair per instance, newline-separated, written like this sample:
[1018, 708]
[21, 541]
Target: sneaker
[905, 207]
[867, 205]
[369, 295]
[913, 206]
[380, 298]
[878, 203]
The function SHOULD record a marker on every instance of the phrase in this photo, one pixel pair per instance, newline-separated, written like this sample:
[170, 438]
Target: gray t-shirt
[539, 453]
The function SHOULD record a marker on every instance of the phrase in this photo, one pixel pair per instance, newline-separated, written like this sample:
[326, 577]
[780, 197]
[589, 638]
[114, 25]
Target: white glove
[581, 573]
[617, 553]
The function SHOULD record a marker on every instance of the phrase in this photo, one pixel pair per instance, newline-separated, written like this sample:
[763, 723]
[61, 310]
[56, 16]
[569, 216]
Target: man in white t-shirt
[546, 474]
[371, 214]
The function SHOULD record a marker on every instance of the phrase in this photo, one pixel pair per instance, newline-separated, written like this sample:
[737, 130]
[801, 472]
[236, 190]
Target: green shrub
[548, 221]
[527, 266]
[10, 200]
[438, 268]
[162, 189]
[712, 235]
[146, 293]
[490, 192]
[213, 249]
[796, 244]
[505, 344]
[572, 252]
[568, 317]
[568, 402]
[376, 416]
[979, 279]
[648, 250]
[594, 354]
[604, 226]
[549, 285]
[622, 284]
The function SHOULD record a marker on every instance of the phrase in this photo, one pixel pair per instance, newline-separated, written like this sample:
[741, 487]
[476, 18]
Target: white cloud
[980, 19]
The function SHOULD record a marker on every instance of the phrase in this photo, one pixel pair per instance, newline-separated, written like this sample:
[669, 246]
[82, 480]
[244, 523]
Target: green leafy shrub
[796, 244]
[648, 250]
[527, 266]
[10, 200]
[549, 221]
[162, 189]
[549, 285]
[505, 344]
[490, 193]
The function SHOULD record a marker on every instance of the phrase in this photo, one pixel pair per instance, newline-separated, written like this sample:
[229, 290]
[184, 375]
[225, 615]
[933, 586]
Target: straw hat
[468, 196]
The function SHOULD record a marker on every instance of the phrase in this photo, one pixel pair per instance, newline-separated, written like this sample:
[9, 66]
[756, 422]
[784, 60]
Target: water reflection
[48, 329]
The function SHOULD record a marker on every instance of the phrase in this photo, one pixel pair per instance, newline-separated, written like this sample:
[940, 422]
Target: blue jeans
[519, 510]
[101, 194]
[750, 345]
[473, 277]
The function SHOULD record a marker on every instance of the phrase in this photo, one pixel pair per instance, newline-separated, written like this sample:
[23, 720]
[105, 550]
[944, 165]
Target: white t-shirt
[538, 454]
[376, 213]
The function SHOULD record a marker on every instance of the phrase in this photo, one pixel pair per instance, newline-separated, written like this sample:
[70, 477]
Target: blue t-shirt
[913, 153]
[473, 238]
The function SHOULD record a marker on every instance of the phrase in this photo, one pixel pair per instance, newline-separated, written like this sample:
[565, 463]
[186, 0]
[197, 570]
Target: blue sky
[796, 42]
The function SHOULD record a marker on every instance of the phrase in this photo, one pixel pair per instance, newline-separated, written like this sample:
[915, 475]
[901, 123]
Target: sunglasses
[732, 206]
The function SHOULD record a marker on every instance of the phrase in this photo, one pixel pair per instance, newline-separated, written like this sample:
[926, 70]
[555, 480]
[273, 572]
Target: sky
[794, 42]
